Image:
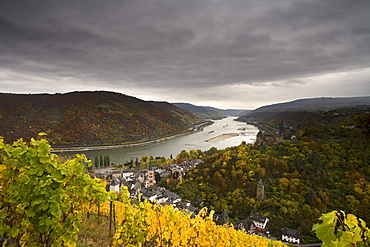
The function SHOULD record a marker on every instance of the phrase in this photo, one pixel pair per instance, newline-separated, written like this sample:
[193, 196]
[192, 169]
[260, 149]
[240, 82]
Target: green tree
[105, 160]
[108, 160]
[101, 160]
[42, 199]
[96, 162]
[182, 155]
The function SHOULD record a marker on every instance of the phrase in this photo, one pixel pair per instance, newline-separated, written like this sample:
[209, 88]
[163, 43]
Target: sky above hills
[227, 54]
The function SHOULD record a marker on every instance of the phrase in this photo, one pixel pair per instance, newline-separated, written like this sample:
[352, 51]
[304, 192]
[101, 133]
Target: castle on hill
[284, 134]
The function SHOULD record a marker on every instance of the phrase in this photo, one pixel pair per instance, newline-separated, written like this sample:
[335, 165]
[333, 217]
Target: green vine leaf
[339, 229]
[325, 233]
[49, 195]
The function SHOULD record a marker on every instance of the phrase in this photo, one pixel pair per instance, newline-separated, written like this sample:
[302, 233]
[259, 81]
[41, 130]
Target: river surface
[174, 146]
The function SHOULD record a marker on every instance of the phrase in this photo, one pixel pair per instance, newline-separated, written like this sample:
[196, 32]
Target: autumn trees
[327, 169]
[42, 201]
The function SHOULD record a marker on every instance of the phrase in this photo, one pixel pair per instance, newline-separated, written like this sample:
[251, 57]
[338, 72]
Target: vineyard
[43, 201]
[145, 224]
[41, 198]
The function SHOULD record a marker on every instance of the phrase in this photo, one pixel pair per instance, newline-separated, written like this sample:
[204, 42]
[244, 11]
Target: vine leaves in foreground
[339, 229]
[41, 198]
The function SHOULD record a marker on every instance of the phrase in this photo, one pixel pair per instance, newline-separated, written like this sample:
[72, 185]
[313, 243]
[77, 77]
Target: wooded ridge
[90, 118]
[324, 103]
[326, 168]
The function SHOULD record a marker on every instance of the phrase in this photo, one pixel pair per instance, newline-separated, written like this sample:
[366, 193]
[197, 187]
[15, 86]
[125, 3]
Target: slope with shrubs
[89, 118]
[42, 201]
[327, 169]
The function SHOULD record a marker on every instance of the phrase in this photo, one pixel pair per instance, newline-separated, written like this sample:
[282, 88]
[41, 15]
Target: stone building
[284, 134]
[150, 179]
[290, 236]
[261, 195]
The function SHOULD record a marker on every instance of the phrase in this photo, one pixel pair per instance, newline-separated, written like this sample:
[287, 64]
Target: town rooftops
[247, 225]
[171, 194]
[258, 218]
[290, 233]
[291, 236]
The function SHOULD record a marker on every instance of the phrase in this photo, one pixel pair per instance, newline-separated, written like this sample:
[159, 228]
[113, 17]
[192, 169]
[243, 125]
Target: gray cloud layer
[179, 45]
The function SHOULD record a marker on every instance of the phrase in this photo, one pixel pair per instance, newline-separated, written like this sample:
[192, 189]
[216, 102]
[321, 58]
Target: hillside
[292, 110]
[207, 112]
[64, 206]
[324, 103]
[231, 112]
[89, 118]
[200, 111]
[326, 169]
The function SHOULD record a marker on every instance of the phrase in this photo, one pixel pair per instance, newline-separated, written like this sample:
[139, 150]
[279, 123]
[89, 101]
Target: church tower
[261, 191]
[150, 175]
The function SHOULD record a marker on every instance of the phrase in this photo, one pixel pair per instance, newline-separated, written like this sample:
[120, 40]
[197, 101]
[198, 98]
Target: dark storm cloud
[175, 43]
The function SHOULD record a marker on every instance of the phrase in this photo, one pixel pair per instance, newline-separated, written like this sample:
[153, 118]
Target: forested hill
[323, 103]
[207, 112]
[200, 111]
[302, 113]
[326, 168]
[89, 118]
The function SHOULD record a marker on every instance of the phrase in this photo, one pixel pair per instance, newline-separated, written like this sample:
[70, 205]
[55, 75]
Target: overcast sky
[222, 53]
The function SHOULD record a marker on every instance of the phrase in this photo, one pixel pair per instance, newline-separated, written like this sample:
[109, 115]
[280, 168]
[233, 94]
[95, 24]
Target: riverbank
[193, 140]
[221, 137]
[141, 143]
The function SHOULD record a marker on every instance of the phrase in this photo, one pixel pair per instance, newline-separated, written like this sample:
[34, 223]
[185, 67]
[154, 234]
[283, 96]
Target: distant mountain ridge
[207, 112]
[89, 118]
[324, 103]
[311, 104]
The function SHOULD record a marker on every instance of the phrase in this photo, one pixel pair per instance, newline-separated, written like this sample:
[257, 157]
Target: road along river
[221, 134]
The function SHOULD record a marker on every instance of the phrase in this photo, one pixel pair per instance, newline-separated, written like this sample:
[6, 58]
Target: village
[142, 184]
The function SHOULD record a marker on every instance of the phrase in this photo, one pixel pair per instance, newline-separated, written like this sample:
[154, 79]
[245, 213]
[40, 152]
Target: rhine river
[201, 140]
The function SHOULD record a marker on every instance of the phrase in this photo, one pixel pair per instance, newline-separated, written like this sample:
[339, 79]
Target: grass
[94, 232]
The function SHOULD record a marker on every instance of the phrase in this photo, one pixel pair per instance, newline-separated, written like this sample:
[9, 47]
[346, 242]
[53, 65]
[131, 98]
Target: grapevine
[146, 224]
[41, 198]
[340, 229]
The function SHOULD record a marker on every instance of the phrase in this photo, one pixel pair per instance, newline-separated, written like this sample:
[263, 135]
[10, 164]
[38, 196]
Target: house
[198, 202]
[246, 225]
[135, 189]
[290, 236]
[259, 221]
[254, 224]
[188, 208]
[172, 197]
[222, 218]
[127, 175]
[153, 196]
